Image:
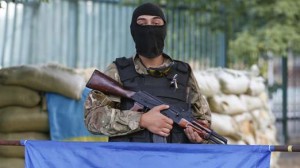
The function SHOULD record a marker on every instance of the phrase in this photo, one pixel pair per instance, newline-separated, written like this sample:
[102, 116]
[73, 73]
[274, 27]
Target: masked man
[155, 72]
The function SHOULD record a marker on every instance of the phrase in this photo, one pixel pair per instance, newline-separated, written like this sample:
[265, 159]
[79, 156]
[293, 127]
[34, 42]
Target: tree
[252, 28]
[274, 27]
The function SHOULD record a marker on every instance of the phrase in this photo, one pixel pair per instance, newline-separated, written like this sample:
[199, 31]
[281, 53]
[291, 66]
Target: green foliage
[279, 38]
[275, 38]
[244, 44]
[22, 1]
[273, 26]
[252, 27]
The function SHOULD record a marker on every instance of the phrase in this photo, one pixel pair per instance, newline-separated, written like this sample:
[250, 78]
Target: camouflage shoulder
[112, 72]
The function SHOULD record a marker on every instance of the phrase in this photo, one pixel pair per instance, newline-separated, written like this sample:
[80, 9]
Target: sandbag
[271, 132]
[18, 96]
[274, 159]
[22, 119]
[226, 104]
[231, 141]
[225, 126]
[262, 118]
[12, 162]
[233, 82]
[44, 105]
[18, 151]
[252, 102]
[48, 78]
[265, 100]
[266, 137]
[208, 83]
[246, 127]
[261, 138]
[256, 86]
[86, 73]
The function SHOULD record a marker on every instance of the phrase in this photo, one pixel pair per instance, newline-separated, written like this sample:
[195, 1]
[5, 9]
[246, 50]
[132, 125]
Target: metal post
[284, 99]
[10, 143]
[286, 148]
[273, 148]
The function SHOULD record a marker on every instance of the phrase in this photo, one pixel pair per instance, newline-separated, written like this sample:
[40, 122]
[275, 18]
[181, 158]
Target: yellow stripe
[290, 148]
[89, 139]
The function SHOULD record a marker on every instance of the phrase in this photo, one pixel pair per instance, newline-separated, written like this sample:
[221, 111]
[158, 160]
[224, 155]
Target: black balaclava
[149, 40]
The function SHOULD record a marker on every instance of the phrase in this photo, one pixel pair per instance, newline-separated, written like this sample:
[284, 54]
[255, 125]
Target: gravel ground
[289, 160]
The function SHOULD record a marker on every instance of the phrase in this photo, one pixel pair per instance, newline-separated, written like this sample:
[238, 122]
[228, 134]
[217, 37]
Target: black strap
[126, 68]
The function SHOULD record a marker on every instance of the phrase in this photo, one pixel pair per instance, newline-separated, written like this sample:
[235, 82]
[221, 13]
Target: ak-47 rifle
[107, 85]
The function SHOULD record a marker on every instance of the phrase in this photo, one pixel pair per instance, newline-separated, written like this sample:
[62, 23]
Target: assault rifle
[107, 85]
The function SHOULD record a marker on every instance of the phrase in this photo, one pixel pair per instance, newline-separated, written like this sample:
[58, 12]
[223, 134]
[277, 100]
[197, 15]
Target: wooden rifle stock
[107, 85]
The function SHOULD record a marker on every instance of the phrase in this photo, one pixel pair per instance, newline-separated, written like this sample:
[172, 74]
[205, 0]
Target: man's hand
[156, 122]
[192, 135]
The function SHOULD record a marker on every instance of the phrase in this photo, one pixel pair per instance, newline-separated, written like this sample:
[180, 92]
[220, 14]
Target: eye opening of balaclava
[149, 40]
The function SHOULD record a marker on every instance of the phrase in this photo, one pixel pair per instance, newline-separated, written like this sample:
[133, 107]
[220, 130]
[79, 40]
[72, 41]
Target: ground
[289, 160]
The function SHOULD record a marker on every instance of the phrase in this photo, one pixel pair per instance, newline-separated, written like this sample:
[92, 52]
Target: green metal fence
[93, 33]
[285, 101]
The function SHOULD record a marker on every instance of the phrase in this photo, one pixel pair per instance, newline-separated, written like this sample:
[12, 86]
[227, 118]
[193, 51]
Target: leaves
[244, 44]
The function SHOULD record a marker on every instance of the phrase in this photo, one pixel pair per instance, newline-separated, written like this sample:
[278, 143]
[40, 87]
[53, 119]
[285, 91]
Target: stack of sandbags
[23, 111]
[239, 104]
[45, 78]
[20, 118]
[86, 73]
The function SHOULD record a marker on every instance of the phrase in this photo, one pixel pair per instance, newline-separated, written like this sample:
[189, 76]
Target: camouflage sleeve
[102, 115]
[200, 107]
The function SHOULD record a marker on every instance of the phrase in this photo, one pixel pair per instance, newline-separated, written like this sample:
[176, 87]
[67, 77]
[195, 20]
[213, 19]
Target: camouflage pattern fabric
[102, 113]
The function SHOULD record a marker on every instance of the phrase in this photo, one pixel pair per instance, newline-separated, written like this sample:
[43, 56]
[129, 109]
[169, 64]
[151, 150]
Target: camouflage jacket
[103, 116]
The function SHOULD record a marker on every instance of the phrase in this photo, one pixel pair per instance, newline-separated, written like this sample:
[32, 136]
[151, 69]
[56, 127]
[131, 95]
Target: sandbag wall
[239, 105]
[238, 100]
[23, 109]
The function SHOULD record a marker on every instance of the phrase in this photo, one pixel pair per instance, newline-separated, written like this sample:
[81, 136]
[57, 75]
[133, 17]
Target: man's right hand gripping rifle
[155, 107]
